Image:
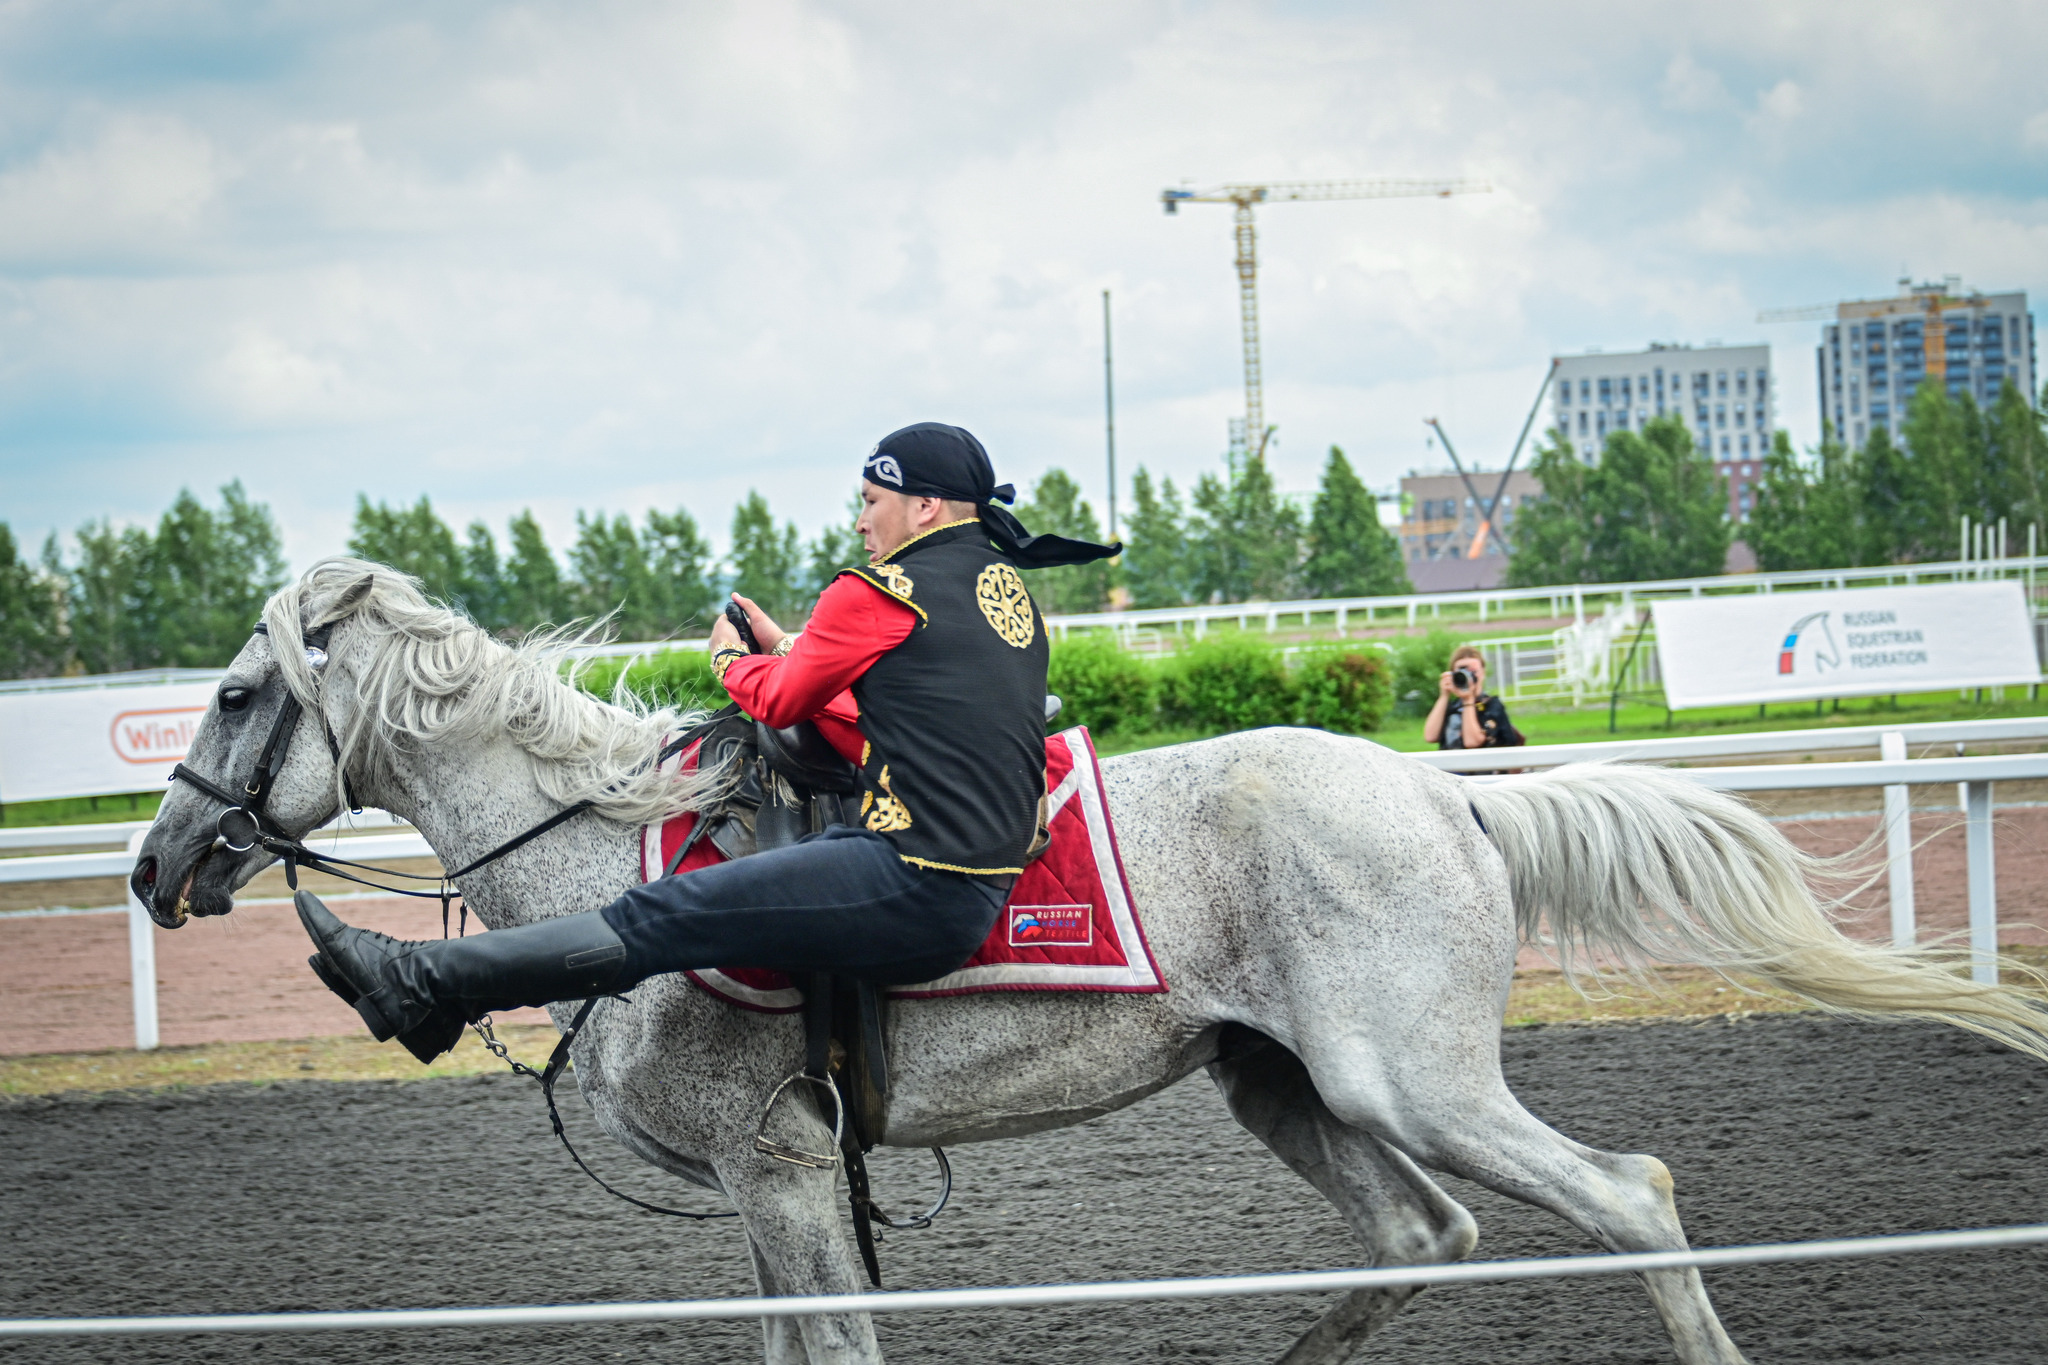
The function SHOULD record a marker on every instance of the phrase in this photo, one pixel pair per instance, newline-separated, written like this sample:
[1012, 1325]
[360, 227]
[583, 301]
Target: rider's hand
[723, 636]
[766, 633]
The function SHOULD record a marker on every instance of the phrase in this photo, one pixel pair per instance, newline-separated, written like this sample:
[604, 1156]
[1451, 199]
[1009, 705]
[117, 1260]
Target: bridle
[247, 822]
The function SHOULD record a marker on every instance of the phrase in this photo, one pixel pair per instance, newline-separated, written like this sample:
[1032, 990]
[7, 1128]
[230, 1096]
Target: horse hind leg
[1399, 1213]
[1475, 1128]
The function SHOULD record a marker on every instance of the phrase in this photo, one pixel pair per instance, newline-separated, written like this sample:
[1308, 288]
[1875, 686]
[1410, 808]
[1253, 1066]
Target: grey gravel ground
[318, 1195]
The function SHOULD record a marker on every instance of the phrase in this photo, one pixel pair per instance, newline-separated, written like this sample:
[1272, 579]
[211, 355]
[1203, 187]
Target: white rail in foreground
[1039, 1296]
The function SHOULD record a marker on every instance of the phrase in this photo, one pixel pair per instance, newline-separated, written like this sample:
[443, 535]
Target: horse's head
[202, 849]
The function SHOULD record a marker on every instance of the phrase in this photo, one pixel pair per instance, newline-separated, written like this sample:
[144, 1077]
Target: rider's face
[888, 518]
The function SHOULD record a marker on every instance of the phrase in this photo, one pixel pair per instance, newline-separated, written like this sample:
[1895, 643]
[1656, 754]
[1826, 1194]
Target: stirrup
[796, 1156]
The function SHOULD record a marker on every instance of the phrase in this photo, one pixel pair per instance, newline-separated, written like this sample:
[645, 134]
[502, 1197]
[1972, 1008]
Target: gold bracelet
[723, 660]
[785, 644]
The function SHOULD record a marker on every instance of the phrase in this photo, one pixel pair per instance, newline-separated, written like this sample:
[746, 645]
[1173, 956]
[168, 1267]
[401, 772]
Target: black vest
[954, 717]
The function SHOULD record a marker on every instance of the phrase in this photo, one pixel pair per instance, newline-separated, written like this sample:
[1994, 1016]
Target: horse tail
[1634, 866]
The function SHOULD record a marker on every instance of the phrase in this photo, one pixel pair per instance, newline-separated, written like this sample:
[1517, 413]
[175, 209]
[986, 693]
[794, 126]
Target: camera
[1462, 679]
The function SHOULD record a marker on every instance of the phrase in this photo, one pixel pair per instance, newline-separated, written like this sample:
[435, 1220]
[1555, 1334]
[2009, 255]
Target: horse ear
[343, 602]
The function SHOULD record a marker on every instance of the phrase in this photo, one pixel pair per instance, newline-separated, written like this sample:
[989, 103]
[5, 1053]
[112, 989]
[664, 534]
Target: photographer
[1465, 716]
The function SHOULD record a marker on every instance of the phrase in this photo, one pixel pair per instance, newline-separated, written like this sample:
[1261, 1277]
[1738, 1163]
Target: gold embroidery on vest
[1000, 594]
[888, 814]
[899, 582]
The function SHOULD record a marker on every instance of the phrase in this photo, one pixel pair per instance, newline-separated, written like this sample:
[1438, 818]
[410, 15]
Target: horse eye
[234, 698]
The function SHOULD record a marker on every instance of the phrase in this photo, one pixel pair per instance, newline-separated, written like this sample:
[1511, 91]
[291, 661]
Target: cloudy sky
[628, 255]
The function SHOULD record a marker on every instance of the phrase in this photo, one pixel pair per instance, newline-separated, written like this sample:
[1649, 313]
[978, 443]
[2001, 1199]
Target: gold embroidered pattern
[724, 659]
[888, 814]
[899, 582]
[1000, 594]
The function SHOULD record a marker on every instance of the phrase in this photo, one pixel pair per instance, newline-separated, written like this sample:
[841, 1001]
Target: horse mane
[430, 675]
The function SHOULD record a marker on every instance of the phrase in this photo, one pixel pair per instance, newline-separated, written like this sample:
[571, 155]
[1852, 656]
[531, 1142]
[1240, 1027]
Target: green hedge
[675, 677]
[1349, 690]
[1102, 685]
[1227, 681]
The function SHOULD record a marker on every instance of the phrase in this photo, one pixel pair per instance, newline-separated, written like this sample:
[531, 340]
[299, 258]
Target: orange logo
[155, 736]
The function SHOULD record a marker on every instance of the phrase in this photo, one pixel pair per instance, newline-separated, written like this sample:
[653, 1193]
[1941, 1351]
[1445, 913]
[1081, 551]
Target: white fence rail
[1039, 1296]
[1892, 771]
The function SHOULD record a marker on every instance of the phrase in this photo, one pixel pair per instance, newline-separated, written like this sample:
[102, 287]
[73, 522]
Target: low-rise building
[1442, 526]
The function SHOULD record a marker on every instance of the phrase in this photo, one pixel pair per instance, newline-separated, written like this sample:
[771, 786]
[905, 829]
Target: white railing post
[141, 959]
[1983, 885]
[1898, 835]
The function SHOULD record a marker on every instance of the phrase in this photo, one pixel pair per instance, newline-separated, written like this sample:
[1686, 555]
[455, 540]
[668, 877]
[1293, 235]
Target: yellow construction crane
[1280, 192]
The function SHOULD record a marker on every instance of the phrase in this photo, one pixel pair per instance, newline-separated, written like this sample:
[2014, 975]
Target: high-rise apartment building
[1877, 352]
[1724, 394]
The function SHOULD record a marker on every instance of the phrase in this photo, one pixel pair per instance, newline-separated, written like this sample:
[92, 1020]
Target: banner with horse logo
[1854, 642]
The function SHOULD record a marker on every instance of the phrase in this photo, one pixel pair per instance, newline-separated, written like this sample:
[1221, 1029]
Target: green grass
[1635, 720]
[82, 810]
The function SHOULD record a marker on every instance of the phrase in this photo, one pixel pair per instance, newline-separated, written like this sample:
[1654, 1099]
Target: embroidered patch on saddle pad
[1070, 924]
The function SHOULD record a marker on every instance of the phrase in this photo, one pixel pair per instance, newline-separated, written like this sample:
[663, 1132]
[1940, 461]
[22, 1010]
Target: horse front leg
[799, 1248]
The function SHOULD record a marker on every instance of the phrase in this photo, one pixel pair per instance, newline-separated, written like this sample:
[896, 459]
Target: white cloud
[658, 254]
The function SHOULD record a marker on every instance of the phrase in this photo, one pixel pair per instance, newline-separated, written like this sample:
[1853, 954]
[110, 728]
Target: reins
[246, 823]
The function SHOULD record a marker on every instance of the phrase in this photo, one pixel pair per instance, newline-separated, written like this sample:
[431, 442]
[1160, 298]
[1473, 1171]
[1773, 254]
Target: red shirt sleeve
[853, 625]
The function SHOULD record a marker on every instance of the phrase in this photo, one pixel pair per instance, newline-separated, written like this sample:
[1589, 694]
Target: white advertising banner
[95, 741]
[1859, 642]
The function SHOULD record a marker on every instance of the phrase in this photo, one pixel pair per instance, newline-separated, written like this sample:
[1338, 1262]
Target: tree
[1057, 508]
[1245, 541]
[184, 597]
[1808, 515]
[31, 599]
[609, 570]
[1155, 558]
[836, 546]
[1349, 553]
[535, 595]
[680, 591]
[207, 577]
[412, 540]
[765, 559]
[1653, 507]
[483, 580]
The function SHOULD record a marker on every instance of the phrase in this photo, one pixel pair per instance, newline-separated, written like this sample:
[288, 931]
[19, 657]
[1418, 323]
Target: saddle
[788, 783]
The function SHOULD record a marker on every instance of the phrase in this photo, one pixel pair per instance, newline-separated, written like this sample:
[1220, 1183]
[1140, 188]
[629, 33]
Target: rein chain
[246, 824]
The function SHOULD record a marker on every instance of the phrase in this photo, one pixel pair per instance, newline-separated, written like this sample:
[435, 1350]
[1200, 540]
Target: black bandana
[933, 460]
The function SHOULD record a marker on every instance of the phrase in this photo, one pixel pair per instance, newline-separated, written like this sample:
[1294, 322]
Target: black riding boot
[422, 993]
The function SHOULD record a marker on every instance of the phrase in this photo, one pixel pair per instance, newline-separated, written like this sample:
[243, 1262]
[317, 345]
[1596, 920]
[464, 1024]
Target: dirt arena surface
[242, 977]
[318, 1195]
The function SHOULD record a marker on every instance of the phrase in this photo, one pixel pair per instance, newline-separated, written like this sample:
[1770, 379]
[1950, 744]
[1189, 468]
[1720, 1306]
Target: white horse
[1331, 901]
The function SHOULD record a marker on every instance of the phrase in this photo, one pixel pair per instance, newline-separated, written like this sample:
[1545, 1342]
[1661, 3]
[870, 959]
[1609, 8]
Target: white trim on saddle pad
[1138, 973]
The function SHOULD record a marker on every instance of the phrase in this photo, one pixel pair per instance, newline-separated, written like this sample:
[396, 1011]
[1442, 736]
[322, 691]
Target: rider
[945, 656]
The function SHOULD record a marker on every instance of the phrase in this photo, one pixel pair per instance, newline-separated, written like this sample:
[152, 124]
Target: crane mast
[1242, 197]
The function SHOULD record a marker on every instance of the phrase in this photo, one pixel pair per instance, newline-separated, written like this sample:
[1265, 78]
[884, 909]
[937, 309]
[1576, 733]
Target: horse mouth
[204, 890]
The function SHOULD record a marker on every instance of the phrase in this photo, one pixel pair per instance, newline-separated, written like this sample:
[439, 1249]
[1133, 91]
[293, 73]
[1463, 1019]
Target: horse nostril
[147, 872]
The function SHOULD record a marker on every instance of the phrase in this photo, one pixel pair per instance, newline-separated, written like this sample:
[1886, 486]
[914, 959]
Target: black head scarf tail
[933, 460]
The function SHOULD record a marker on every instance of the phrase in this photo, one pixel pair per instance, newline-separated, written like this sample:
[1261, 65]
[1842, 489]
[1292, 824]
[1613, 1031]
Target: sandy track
[324, 1195]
